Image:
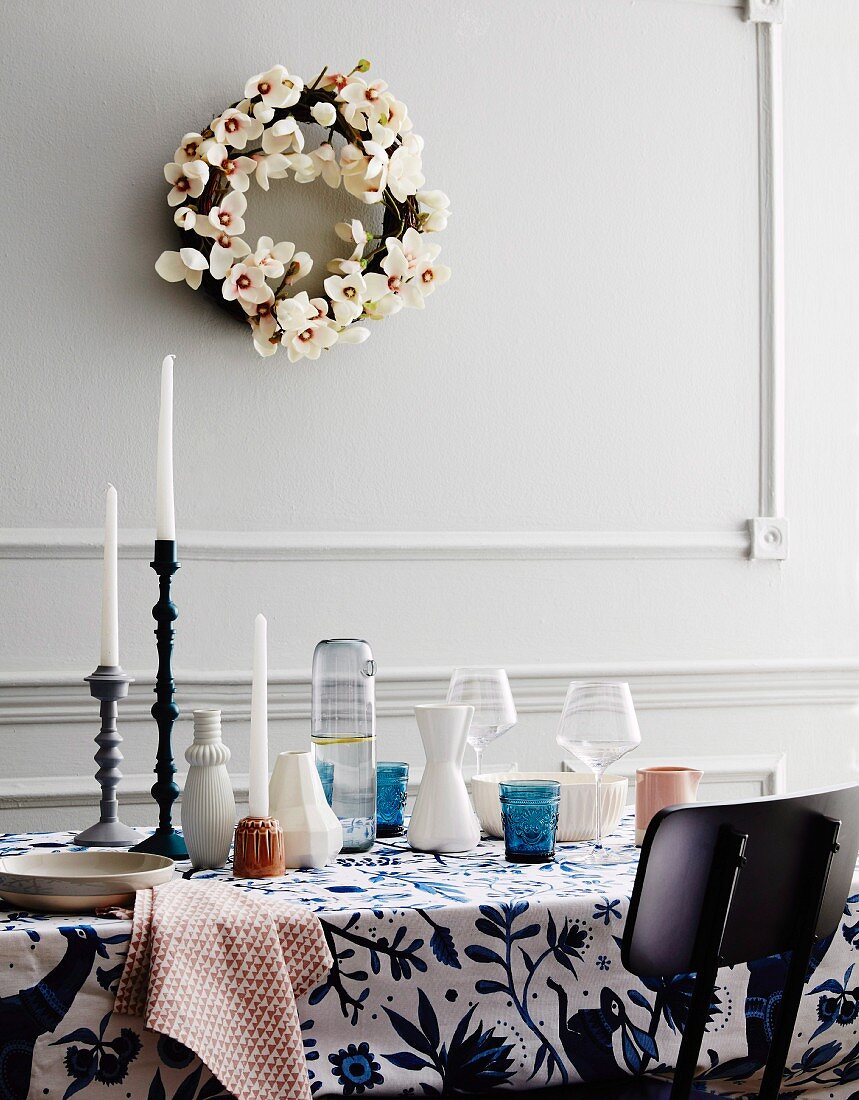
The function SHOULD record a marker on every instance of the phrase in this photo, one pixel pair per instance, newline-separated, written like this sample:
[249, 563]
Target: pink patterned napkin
[219, 970]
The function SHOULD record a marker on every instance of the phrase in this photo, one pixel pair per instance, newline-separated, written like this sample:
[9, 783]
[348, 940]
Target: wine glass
[598, 726]
[488, 691]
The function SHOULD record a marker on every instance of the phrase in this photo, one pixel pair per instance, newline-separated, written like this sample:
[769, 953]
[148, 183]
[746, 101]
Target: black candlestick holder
[165, 841]
[108, 684]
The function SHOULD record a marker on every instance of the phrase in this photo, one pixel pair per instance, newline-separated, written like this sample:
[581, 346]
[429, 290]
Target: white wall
[551, 467]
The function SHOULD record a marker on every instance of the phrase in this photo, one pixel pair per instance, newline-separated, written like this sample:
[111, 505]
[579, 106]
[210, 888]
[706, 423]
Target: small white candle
[109, 596]
[165, 519]
[258, 765]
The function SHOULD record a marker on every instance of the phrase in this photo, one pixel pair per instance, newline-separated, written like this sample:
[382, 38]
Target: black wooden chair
[722, 884]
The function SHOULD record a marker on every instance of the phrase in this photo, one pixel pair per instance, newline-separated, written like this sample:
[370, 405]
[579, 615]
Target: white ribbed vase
[208, 804]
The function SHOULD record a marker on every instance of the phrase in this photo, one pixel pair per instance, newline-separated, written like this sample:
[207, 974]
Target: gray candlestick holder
[108, 684]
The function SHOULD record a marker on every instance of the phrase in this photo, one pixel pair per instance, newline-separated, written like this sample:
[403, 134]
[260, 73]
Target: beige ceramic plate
[73, 882]
[576, 811]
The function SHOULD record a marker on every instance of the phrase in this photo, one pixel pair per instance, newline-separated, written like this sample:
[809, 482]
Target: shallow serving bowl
[72, 882]
[576, 811]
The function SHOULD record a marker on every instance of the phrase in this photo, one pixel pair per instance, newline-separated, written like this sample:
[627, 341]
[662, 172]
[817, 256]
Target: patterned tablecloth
[452, 973]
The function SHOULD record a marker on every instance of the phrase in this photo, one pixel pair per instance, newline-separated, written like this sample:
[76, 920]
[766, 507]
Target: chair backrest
[783, 852]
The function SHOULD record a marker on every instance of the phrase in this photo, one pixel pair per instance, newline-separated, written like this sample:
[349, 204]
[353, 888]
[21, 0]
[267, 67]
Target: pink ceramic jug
[656, 788]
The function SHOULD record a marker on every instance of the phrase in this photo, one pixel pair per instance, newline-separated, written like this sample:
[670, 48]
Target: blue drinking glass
[529, 814]
[326, 774]
[392, 780]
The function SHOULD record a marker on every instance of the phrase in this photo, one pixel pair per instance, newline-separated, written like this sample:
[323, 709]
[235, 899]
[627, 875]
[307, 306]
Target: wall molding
[30, 698]
[767, 772]
[723, 774]
[69, 544]
[51, 700]
[769, 531]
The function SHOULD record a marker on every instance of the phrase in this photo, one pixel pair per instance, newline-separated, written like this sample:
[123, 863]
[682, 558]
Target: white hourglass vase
[443, 819]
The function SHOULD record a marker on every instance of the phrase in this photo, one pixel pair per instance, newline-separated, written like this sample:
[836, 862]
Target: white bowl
[576, 811]
[73, 882]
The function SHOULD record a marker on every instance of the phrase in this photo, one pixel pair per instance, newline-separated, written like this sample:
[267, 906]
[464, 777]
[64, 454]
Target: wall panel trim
[28, 698]
[66, 543]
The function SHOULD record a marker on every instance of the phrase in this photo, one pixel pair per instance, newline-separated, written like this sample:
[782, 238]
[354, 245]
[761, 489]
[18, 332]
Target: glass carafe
[343, 733]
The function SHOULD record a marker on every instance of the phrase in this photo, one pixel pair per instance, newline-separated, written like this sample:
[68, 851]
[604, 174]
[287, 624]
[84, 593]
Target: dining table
[452, 973]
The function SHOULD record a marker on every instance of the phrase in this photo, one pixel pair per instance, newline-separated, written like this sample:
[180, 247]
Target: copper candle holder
[258, 848]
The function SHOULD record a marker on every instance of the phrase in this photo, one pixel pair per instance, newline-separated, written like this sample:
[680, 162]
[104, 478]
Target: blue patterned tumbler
[529, 814]
[392, 778]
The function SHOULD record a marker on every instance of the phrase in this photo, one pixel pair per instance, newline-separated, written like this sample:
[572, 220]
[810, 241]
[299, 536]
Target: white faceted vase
[208, 805]
[312, 833]
[443, 819]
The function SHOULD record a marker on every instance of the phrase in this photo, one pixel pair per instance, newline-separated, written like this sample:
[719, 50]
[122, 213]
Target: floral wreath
[380, 162]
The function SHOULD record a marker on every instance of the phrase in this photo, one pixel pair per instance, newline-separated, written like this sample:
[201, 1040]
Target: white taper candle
[165, 518]
[258, 752]
[109, 594]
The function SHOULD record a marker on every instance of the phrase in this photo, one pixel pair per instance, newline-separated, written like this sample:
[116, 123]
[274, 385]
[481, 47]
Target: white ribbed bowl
[576, 811]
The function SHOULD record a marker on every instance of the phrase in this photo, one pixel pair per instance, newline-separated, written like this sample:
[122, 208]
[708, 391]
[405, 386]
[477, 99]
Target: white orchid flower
[340, 266]
[404, 173]
[276, 86]
[364, 172]
[362, 101]
[381, 301]
[378, 160]
[228, 216]
[324, 113]
[185, 217]
[263, 112]
[188, 264]
[334, 82]
[415, 247]
[239, 171]
[320, 162]
[273, 167]
[428, 276]
[325, 160]
[386, 128]
[395, 265]
[304, 167]
[319, 336]
[439, 210]
[189, 148]
[260, 312]
[245, 282]
[307, 330]
[283, 137]
[347, 296]
[297, 312]
[272, 258]
[263, 323]
[188, 180]
[213, 152]
[235, 128]
[384, 288]
[353, 334]
[266, 345]
[225, 251]
[355, 233]
[298, 267]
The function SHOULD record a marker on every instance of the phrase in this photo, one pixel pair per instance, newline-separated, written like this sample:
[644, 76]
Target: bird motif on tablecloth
[588, 1036]
[38, 1009]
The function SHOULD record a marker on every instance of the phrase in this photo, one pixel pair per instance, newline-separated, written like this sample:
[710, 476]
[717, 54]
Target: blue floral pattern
[451, 974]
